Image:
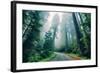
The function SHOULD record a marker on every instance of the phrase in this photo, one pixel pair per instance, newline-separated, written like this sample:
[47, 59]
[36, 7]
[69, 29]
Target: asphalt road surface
[61, 57]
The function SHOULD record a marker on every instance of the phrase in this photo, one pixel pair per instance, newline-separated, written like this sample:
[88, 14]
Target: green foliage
[48, 45]
[86, 30]
[32, 22]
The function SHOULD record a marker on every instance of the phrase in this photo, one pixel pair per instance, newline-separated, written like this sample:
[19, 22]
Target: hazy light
[49, 20]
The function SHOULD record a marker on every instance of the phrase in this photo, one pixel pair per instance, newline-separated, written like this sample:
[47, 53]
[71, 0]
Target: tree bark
[78, 34]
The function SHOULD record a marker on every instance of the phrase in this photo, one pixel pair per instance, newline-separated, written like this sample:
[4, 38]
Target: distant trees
[64, 27]
[55, 23]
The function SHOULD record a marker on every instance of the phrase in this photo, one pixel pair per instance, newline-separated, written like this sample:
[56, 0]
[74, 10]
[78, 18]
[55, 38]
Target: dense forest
[55, 36]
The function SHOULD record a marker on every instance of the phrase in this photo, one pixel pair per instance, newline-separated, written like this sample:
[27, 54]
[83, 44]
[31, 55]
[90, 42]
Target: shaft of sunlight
[49, 22]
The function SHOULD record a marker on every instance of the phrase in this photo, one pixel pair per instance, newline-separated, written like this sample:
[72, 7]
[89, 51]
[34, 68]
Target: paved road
[61, 57]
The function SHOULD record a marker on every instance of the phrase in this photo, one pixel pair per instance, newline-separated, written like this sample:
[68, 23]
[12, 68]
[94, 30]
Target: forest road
[61, 57]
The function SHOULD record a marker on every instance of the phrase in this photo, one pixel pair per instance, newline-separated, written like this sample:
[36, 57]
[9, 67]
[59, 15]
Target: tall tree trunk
[55, 23]
[78, 34]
